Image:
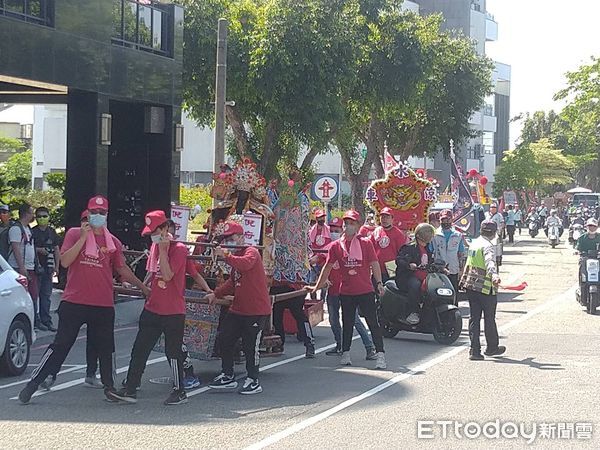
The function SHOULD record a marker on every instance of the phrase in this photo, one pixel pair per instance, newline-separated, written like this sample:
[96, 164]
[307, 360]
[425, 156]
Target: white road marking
[16, 383]
[287, 432]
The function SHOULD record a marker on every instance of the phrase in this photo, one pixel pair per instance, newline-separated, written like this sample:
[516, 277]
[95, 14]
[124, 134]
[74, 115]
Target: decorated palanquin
[407, 192]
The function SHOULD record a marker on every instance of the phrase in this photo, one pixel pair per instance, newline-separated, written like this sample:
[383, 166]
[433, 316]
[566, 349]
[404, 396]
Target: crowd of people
[350, 266]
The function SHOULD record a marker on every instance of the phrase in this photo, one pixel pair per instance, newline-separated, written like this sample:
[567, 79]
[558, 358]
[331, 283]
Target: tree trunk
[357, 180]
[268, 160]
[239, 132]
[309, 158]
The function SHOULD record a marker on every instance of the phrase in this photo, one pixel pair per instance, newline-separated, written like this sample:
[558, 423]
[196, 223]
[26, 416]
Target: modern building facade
[117, 66]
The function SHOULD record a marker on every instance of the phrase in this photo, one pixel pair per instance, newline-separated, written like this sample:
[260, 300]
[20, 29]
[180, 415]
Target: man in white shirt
[494, 216]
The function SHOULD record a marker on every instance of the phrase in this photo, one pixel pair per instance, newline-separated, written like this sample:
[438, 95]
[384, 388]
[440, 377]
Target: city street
[547, 379]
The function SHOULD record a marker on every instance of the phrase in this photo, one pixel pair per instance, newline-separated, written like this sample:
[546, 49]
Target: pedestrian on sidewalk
[92, 254]
[511, 223]
[48, 253]
[481, 280]
[164, 312]
[358, 264]
[248, 313]
[448, 246]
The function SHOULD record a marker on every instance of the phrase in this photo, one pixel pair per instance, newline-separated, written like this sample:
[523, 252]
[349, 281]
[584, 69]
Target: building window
[36, 11]
[140, 24]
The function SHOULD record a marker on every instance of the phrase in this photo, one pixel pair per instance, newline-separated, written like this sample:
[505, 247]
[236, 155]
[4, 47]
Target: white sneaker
[413, 319]
[346, 361]
[93, 382]
[380, 364]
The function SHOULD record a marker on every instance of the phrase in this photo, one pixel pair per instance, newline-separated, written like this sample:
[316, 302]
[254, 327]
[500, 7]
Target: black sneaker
[124, 384]
[225, 382]
[251, 386]
[475, 355]
[371, 354]
[310, 352]
[496, 352]
[50, 327]
[48, 382]
[176, 398]
[40, 327]
[120, 395]
[27, 392]
[337, 351]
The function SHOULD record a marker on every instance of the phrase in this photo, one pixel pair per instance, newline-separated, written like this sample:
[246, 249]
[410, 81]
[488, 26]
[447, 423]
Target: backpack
[5, 247]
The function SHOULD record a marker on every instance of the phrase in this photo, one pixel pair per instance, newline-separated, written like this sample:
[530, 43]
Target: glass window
[130, 21]
[34, 8]
[157, 29]
[117, 16]
[15, 6]
[145, 26]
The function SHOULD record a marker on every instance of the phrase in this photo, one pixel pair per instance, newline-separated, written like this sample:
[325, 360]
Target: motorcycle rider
[410, 272]
[590, 240]
[481, 280]
[542, 212]
[553, 220]
[448, 246]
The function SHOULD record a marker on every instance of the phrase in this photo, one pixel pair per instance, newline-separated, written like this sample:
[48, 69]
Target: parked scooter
[589, 270]
[439, 315]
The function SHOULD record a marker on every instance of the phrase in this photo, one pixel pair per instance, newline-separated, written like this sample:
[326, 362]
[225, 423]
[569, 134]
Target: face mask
[156, 238]
[97, 220]
[321, 222]
[446, 226]
[351, 229]
[43, 221]
[335, 236]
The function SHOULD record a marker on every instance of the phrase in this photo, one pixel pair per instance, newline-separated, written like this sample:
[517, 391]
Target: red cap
[352, 215]
[319, 213]
[85, 214]
[446, 214]
[387, 210]
[154, 219]
[98, 202]
[231, 228]
[336, 222]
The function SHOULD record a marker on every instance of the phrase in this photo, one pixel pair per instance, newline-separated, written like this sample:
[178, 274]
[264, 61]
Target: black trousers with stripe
[249, 328]
[100, 328]
[151, 326]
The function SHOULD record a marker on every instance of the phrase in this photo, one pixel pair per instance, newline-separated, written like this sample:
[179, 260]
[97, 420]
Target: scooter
[534, 227]
[575, 232]
[553, 235]
[589, 269]
[439, 315]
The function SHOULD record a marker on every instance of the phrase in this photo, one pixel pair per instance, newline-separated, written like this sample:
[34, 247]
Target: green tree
[16, 171]
[10, 145]
[582, 122]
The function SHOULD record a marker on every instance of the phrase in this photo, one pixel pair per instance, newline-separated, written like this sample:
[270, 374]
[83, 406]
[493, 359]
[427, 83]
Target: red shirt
[335, 278]
[247, 284]
[167, 297]
[90, 280]
[356, 275]
[365, 231]
[387, 243]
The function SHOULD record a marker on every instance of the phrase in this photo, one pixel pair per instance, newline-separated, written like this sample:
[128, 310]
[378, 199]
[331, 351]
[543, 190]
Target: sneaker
[40, 327]
[371, 354]
[120, 395]
[475, 355]
[346, 361]
[413, 319]
[310, 352]
[177, 398]
[124, 384]
[337, 351]
[50, 327]
[27, 392]
[48, 382]
[223, 381]
[496, 352]
[381, 364]
[191, 382]
[251, 386]
[93, 382]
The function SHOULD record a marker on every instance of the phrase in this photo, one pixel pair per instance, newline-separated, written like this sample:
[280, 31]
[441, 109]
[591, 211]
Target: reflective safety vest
[475, 277]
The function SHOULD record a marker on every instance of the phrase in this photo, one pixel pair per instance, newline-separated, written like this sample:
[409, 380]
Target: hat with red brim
[154, 219]
[352, 215]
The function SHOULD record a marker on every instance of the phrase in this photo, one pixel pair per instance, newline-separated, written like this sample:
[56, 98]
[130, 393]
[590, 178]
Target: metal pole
[340, 183]
[220, 92]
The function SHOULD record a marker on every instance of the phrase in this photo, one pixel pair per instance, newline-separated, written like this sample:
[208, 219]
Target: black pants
[481, 303]
[296, 307]
[453, 277]
[510, 229]
[71, 316]
[249, 328]
[366, 303]
[413, 288]
[151, 326]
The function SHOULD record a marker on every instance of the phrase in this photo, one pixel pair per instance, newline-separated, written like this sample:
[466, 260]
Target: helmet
[425, 232]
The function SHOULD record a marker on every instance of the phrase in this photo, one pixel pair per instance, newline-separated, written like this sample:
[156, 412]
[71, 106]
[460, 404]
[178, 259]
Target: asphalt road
[546, 384]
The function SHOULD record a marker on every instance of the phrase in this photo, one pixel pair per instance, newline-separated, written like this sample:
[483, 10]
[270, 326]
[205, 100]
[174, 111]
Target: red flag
[518, 287]
[390, 162]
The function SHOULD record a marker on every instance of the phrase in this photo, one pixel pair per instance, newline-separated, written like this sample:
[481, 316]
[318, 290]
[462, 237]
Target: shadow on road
[530, 362]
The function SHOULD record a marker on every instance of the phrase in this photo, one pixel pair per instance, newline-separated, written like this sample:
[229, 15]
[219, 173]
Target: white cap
[592, 222]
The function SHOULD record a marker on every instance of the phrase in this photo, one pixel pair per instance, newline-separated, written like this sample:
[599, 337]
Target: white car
[16, 321]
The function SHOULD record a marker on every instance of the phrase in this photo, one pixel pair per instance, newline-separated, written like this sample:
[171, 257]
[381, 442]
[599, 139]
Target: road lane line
[16, 383]
[287, 432]
[83, 336]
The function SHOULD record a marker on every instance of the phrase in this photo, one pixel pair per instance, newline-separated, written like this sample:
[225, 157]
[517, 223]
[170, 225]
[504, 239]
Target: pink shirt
[167, 297]
[90, 280]
[355, 275]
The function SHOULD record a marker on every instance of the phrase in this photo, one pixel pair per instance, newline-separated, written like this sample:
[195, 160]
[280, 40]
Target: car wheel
[17, 349]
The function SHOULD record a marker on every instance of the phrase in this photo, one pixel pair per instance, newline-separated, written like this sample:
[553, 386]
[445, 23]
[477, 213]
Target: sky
[542, 40]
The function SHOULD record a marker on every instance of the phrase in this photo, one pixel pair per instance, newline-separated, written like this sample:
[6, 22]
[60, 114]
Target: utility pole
[220, 95]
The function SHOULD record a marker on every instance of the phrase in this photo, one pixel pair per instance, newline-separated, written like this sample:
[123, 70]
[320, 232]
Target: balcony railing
[141, 24]
[34, 11]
